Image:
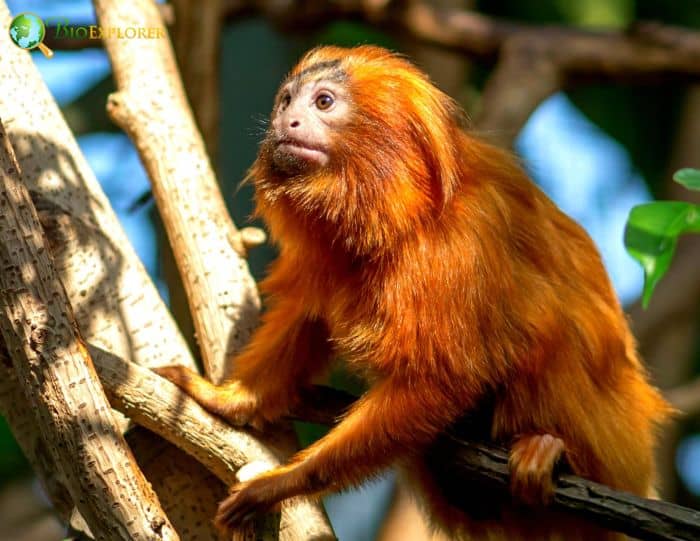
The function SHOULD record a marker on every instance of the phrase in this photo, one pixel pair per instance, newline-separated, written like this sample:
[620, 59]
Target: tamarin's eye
[324, 101]
[285, 101]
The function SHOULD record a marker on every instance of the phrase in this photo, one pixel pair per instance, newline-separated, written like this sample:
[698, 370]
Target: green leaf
[690, 178]
[651, 236]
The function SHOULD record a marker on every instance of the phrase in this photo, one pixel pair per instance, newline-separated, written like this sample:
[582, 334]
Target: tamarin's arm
[285, 352]
[393, 420]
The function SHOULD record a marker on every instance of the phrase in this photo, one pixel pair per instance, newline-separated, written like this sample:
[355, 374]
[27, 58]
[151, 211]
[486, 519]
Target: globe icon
[27, 31]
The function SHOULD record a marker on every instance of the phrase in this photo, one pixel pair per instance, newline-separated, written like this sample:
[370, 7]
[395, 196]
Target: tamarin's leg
[285, 352]
[532, 461]
[392, 421]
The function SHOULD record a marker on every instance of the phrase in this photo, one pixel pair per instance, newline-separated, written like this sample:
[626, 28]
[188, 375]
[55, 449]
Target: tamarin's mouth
[295, 150]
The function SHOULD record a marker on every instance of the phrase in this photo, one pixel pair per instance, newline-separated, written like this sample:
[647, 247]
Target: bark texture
[207, 246]
[57, 376]
[116, 305]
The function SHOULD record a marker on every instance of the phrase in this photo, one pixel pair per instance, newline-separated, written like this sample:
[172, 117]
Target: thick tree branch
[208, 249]
[207, 246]
[160, 406]
[155, 403]
[462, 463]
[115, 302]
[56, 374]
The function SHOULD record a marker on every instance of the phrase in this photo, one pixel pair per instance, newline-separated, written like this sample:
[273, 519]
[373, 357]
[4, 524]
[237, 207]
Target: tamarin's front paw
[245, 501]
[179, 375]
[230, 400]
[532, 461]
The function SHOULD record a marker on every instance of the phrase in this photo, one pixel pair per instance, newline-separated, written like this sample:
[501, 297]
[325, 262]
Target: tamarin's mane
[397, 165]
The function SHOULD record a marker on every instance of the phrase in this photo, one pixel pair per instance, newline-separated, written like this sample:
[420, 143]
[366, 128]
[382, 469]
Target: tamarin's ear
[440, 142]
[443, 157]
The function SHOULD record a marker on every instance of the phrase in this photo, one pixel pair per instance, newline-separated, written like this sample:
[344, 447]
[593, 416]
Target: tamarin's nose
[294, 124]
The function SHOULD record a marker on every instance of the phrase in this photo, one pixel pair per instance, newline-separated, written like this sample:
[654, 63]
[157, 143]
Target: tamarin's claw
[532, 461]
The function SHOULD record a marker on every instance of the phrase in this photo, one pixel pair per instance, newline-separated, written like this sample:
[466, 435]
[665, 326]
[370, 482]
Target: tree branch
[459, 463]
[160, 406]
[533, 61]
[208, 249]
[197, 42]
[115, 302]
[649, 50]
[464, 462]
[206, 244]
[56, 374]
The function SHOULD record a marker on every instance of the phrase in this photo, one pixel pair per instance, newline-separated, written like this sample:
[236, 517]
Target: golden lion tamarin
[429, 261]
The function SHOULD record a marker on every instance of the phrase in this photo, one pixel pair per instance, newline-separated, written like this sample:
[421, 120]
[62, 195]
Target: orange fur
[434, 266]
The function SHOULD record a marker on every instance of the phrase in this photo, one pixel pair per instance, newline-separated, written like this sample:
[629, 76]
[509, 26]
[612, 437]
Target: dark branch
[459, 464]
[646, 48]
[532, 61]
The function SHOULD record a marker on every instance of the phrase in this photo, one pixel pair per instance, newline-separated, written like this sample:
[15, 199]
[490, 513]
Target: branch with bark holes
[460, 465]
[56, 373]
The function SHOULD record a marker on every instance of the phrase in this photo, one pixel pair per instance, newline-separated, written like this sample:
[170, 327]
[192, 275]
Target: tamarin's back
[546, 313]
[504, 295]
[431, 263]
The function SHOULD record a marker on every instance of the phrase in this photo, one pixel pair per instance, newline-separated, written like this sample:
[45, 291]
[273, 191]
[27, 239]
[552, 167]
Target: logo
[65, 30]
[28, 31]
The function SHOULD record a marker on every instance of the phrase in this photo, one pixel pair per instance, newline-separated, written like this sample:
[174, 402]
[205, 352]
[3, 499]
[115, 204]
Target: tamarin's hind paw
[228, 400]
[532, 461]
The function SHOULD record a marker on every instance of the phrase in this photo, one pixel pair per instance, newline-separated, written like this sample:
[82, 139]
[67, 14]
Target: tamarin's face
[361, 148]
[310, 106]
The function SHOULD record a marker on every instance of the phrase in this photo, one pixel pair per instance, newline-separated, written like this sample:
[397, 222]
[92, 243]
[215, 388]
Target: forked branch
[56, 374]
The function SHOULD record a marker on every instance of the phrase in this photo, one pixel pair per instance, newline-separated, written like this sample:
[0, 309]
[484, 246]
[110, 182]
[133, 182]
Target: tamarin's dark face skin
[308, 109]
